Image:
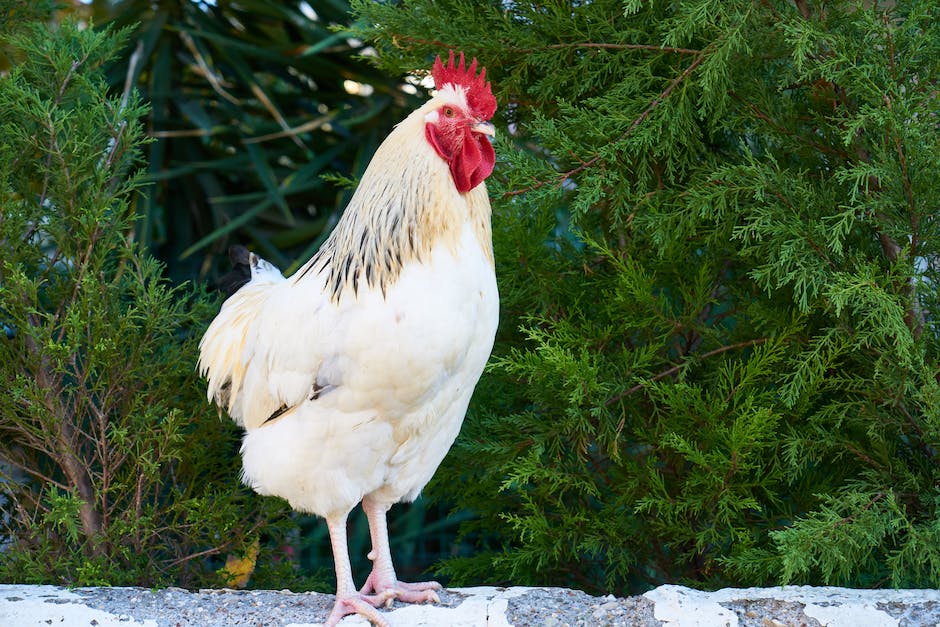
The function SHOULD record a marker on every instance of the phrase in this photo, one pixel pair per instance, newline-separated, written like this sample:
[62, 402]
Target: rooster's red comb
[479, 94]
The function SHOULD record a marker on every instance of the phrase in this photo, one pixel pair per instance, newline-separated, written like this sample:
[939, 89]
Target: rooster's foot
[362, 604]
[420, 592]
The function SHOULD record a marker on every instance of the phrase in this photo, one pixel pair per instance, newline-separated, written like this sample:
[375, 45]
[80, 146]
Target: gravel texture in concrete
[41, 606]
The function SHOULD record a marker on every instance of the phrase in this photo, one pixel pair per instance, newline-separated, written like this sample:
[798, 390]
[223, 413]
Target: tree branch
[804, 9]
[674, 369]
[585, 164]
[762, 115]
[649, 47]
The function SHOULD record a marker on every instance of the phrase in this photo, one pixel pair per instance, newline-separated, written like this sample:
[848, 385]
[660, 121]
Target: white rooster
[351, 378]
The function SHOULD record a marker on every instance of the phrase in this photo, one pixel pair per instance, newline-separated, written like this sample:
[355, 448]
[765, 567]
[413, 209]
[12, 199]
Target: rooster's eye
[449, 112]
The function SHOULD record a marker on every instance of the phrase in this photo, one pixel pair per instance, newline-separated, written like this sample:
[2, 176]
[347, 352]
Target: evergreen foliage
[717, 242]
[114, 468]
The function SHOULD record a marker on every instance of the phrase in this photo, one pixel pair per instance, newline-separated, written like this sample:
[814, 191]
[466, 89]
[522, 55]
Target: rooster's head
[456, 127]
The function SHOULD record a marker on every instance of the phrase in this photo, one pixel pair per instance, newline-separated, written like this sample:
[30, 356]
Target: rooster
[351, 377]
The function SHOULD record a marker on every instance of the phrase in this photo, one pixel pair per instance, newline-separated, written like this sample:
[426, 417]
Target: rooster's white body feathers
[352, 377]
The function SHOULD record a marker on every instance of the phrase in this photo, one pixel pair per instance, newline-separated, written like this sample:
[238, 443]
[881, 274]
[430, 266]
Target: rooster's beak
[484, 128]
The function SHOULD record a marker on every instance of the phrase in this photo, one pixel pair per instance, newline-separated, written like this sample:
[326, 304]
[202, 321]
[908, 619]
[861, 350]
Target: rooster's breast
[426, 339]
[395, 384]
[415, 355]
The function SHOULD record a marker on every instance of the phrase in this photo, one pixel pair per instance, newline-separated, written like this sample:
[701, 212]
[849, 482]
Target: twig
[650, 47]
[130, 77]
[762, 115]
[203, 68]
[272, 109]
[673, 370]
[291, 131]
[914, 317]
[804, 9]
[816, 247]
[186, 558]
[633, 126]
[850, 519]
[397, 39]
[37, 474]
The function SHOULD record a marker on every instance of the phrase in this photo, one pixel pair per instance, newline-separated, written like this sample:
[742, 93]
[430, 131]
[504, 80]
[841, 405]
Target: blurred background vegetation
[251, 104]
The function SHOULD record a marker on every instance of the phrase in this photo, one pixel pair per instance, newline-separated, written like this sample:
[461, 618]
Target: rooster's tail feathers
[222, 358]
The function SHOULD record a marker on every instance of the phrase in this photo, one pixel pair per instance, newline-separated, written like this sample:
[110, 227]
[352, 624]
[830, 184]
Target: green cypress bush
[716, 226]
[113, 467]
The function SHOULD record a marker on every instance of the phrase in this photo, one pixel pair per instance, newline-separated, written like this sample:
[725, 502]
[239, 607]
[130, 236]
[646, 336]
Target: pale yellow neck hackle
[405, 204]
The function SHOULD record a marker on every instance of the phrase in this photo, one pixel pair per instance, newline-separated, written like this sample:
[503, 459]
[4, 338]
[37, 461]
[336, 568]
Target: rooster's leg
[348, 599]
[382, 579]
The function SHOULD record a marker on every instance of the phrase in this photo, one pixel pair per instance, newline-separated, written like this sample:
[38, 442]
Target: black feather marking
[277, 414]
[307, 268]
[224, 392]
[317, 263]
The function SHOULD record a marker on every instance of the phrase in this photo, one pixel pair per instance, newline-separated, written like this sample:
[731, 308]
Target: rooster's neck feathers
[405, 204]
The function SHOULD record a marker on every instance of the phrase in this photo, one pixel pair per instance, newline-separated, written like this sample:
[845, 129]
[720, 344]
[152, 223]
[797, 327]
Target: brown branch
[914, 318]
[804, 9]
[62, 88]
[871, 503]
[64, 445]
[561, 178]
[864, 457]
[68, 79]
[762, 115]
[37, 474]
[890, 248]
[186, 558]
[816, 247]
[773, 11]
[649, 47]
[397, 39]
[674, 369]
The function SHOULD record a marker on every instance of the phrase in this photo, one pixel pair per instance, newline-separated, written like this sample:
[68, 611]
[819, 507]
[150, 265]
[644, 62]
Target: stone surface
[40, 606]
[796, 605]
